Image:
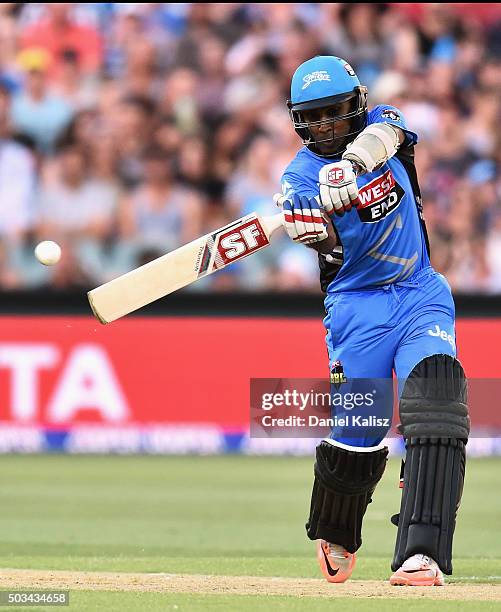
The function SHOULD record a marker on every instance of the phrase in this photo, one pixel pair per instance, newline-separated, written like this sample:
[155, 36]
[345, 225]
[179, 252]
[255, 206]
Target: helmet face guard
[357, 116]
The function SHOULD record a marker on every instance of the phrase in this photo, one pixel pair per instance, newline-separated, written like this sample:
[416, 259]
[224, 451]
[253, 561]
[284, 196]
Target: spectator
[56, 32]
[75, 206]
[159, 213]
[35, 111]
[252, 186]
[179, 101]
[193, 166]
[210, 93]
[9, 279]
[132, 126]
[17, 179]
[141, 75]
[360, 39]
[10, 75]
[178, 112]
[79, 90]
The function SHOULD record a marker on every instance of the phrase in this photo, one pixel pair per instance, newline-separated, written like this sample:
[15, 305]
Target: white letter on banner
[25, 360]
[88, 382]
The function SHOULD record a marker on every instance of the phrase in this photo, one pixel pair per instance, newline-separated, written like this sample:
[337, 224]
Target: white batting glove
[338, 187]
[303, 218]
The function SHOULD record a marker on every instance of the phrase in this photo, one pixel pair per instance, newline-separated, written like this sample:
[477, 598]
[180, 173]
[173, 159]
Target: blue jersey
[384, 239]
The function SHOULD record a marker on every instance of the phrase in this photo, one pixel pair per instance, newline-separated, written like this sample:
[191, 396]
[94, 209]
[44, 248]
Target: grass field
[218, 516]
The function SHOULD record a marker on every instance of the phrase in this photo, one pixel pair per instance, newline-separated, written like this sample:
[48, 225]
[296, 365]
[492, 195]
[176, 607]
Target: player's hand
[303, 218]
[338, 187]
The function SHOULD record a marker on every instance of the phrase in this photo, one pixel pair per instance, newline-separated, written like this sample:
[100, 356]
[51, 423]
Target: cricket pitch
[237, 585]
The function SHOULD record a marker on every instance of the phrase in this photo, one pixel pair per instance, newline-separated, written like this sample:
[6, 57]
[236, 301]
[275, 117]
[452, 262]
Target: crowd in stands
[129, 129]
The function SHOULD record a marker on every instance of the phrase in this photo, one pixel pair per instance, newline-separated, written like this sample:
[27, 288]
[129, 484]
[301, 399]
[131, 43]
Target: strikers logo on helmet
[335, 176]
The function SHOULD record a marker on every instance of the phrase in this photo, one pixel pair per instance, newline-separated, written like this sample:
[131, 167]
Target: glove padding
[338, 187]
[303, 218]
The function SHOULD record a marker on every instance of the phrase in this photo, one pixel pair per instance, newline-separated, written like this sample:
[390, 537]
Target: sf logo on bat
[240, 241]
[231, 243]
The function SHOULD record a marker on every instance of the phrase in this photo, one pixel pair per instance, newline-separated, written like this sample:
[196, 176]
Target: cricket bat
[183, 266]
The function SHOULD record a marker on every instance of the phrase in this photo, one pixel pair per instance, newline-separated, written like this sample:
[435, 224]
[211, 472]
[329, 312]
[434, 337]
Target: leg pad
[435, 424]
[344, 483]
[433, 485]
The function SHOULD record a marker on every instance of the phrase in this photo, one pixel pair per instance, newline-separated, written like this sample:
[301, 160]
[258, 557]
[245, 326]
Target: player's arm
[370, 150]
[374, 146]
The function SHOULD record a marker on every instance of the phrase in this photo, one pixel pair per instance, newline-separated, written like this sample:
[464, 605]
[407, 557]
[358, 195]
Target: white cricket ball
[48, 252]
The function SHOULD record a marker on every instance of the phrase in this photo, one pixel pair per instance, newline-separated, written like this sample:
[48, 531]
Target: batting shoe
[418, 570]
[335, 561]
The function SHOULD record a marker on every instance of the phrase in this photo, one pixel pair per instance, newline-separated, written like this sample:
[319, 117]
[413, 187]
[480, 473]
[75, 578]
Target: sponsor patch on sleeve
[391, 114]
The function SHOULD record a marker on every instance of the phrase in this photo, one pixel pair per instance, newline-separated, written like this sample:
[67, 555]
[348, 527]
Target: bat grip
[272, 223]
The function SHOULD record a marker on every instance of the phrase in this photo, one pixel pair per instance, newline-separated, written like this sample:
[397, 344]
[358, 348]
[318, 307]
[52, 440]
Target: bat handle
[272, 223]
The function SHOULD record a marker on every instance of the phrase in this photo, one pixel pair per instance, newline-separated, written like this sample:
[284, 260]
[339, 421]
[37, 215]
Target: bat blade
[182, 267]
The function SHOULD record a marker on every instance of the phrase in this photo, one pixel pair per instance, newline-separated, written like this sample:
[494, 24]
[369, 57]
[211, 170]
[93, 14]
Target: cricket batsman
[352, 194]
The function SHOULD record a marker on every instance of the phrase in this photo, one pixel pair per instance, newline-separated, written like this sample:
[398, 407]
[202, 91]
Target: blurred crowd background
[129, 129]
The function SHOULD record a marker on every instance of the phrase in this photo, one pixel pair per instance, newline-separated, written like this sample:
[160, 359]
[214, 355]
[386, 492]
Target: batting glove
[338, 187]
[303, 218]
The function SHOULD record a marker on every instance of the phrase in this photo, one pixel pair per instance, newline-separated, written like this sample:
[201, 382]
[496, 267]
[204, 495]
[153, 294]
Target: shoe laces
[416, 562]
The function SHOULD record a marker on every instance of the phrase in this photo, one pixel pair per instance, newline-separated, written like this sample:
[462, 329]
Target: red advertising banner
[56, 372]
[61, 370]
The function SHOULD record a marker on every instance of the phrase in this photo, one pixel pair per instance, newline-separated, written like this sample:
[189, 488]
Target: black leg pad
[433, 485]
[435, 424]
[344, 483]
[434, 400]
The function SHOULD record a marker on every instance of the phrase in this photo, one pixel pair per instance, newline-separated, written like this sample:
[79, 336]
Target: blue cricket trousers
[374, 332]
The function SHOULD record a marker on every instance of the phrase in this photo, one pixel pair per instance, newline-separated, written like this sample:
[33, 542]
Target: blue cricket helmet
[327, 82]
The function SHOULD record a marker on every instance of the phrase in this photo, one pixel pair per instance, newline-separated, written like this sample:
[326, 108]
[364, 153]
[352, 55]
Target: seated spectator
[35, 111]
[17, 178]
[252, 185]
[57, 31]
[10, 75]
[251, 189]
[84, 130]
[106, 85]
[160, 213]
[79, 90]
[141, 76]
[132, 129]
[192, 164]
[9, 278]
[75, 205]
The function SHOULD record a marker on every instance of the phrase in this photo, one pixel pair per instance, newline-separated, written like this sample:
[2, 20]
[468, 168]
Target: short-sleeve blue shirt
[383, 239]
